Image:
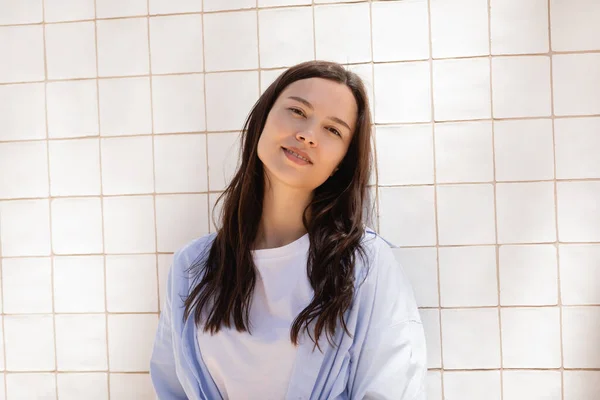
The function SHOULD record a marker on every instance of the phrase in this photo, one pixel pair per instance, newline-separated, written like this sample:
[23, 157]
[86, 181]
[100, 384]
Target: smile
[297, 158]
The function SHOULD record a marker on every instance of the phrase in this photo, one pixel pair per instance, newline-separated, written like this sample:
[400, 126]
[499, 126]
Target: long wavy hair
[334, 219]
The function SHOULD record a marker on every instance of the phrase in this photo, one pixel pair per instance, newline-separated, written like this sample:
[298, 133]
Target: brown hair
[336, 225]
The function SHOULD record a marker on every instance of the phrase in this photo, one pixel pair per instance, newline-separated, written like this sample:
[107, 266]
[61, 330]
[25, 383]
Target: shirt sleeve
[162, 363]
[390, 361]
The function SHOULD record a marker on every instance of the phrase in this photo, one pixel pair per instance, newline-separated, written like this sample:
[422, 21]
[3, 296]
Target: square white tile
[434, 385]
[127, 165]
[123, 47]
[400, 30]
[223, 154]
[164, 265]
[413, 144]
[180, 163]
[531, 337]
[431, 327]
[233, 48]
[578, 212]
[519, 27]
[129, 224]
[576, 78]
[579, 326]
[407, 215]
[29, 341]
[174, 6]
[25, 44]
[117, 8]
[79, 284]
[178, 103]
[21, 12]
[532, 385]
[466, 214]
[125, 106]
[68, 10]
[472, 385]
[180, 219]
[31, 386]
[27, 285]
[525, 212]
[131, 283]
[76, 225]
[89, 385]
[285, 36]
[402, 92]
[224, 112]
[459, 268]
[72, 109]
[528, 275]
[25, 228]
[575, 25]
[27, 116]
[23, 169]
[524, 150]
[461, 89]
[521, 86]
[471, 338]
[581, 384]
[129, 350]
[176, 44]
[131, 386]
[71, 50]
[342, 33]
[459, 28]
[81, 342]
[464, 152]
[74, 167]
[577, 148]
[420, 265]
[579, 274]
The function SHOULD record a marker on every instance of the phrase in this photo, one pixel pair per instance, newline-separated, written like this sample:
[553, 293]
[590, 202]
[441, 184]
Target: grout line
[435, 207]
[314, 29]
[495, 188]
[559, 293]
[373, 130]
[49, 202]
[153, 135]
[2, 310]
[208, 204]
[104, 272]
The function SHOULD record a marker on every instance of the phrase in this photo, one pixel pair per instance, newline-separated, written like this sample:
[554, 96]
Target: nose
[308, 137]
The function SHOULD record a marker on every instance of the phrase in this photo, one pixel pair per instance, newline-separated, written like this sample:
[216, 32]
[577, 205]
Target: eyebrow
[307, 104]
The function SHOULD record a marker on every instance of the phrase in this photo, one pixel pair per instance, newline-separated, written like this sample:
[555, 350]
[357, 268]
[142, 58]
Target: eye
[296, 111]
[335, 131]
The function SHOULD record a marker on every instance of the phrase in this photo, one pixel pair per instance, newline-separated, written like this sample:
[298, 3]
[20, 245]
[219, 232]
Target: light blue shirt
[385, 358]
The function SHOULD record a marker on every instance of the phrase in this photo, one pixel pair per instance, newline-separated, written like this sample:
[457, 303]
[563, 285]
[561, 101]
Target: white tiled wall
[119, 123]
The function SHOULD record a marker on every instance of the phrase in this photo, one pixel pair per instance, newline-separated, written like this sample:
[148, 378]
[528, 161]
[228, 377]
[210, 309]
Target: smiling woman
[293, 297]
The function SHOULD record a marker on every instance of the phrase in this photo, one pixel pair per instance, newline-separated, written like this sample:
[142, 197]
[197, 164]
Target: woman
[293, 297]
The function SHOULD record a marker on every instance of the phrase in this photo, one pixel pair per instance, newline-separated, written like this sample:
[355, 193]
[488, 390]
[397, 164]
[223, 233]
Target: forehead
[329, 97]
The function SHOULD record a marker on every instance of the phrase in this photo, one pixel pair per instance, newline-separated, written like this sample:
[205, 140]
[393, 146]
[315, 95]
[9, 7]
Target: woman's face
[314, 118]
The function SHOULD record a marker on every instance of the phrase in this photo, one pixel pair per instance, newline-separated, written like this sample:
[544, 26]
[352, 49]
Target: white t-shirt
[259, 365]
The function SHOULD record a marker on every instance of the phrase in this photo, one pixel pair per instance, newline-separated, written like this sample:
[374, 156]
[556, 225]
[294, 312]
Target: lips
[299, 152]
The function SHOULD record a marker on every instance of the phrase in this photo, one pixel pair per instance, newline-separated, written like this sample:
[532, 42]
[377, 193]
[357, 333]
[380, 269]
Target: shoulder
[189, 255]
[382, 284]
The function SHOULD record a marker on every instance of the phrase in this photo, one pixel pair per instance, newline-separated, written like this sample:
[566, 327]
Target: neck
[281, 221]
